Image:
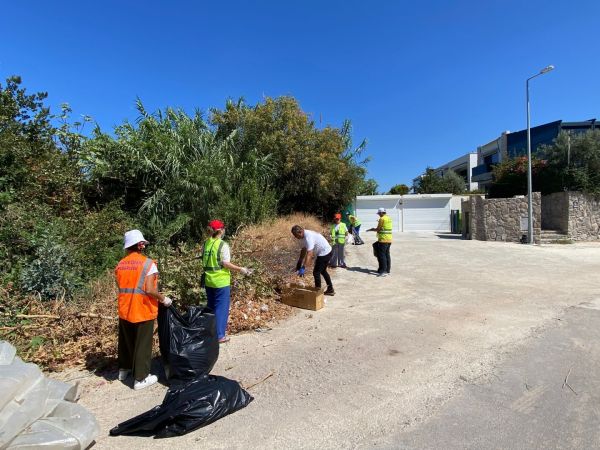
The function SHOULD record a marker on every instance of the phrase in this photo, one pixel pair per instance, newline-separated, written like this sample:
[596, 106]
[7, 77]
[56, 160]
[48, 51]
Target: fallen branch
[566, 382]
[54, 317]
[260, 381]
[96, 316]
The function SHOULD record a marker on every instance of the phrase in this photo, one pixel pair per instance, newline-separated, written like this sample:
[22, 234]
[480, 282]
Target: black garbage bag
[188, 342]
[357, 239]
[187, 407]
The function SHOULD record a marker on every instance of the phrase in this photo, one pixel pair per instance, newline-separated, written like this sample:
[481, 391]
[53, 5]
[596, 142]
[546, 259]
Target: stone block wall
[583, 217]
[555, 212]
[500, 219]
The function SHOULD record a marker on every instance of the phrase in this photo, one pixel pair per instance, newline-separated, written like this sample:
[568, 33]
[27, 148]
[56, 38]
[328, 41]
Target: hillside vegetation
[69, 190]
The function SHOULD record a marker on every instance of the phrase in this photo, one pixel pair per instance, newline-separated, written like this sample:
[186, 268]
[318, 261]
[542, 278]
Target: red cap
[337, 216]
[216, 225]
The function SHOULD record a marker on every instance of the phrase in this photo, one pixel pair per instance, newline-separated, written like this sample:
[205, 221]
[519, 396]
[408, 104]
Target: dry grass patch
[83, 332]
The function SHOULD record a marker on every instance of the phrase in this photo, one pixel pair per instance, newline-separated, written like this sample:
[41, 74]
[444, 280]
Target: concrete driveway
[387, 356]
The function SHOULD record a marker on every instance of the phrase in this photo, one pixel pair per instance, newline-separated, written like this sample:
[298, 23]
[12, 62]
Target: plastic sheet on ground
[188, 407]
[37, 412]
[188, 342]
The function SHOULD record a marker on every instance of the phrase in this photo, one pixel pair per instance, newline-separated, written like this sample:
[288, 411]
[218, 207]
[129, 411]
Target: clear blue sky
[424, 82]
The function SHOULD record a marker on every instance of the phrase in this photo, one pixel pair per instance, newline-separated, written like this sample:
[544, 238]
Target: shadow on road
[448, 236]
[362, 270]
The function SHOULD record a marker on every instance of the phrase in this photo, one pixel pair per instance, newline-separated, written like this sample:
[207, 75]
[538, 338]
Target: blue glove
[301, 271]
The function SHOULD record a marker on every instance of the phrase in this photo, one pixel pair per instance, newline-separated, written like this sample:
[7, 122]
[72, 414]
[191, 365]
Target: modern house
[510, 145]
[463, 166]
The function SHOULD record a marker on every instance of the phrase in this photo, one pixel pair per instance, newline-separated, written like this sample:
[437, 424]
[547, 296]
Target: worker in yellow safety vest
[338, 241]
[384, 242]
[137, 279]
[355, 230]
[216, 278]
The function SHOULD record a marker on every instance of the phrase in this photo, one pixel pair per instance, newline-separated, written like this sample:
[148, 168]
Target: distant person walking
[384, 242]
[137, 278]
[216, 261]
[314, 245]
[355, 229]
[338, 241]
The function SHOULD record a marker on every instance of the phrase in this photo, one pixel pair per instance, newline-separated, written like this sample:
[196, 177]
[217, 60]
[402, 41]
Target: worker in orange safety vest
[137, 279]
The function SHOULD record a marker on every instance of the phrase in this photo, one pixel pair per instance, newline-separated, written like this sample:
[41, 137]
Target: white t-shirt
[153, 270]
[316, 243]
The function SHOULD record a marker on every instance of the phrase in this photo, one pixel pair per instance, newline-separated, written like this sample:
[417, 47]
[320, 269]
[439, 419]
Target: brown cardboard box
[304, 297]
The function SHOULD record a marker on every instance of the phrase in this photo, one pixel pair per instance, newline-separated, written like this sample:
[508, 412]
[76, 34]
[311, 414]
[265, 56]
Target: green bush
[52, 272]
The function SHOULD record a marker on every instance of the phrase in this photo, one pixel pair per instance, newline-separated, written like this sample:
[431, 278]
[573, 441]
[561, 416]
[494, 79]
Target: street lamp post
[529, 182]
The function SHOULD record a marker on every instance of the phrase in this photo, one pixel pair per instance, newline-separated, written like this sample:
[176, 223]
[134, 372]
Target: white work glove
[246, 271]
[167, 302]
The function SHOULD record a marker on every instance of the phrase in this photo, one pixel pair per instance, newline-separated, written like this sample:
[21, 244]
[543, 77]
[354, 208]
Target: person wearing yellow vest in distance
[384, 241]
[137, 279]
[355, 229]
[338, 240]
[216, 260]
[314, 245]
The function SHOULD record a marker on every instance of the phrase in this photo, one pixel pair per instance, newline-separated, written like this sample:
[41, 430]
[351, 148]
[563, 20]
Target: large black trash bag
[188, 342]
[188, 407]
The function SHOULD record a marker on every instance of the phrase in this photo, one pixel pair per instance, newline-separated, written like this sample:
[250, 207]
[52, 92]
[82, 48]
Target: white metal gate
[424, 212]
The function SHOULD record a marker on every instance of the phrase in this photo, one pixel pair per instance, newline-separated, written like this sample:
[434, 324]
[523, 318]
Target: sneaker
[382, 274]
[148, 381]
[224, 339]
[344, 266]
[123, 374]
[329, 291]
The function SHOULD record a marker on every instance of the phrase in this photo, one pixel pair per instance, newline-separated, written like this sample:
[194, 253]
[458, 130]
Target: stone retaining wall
[500, 219]
[573, 213]
[584, 217]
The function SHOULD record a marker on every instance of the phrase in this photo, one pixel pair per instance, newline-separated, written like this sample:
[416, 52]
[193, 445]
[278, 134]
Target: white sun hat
[133, 237]
[380, 210]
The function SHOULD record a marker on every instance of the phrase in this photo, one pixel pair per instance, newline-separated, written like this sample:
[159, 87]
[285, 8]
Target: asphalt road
[544, 396]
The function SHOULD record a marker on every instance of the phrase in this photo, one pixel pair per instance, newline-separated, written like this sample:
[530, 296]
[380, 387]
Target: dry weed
[62, 337]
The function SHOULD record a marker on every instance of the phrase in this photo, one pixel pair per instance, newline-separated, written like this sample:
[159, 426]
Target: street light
[529, 188]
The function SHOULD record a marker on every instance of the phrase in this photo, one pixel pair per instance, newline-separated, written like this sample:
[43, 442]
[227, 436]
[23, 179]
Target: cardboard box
[304, 297]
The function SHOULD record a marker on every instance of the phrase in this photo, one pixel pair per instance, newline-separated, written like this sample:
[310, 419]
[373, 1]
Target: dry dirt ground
[385, 355]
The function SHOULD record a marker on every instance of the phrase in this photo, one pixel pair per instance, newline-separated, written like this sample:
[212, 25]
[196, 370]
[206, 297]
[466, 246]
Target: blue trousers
[219, 300]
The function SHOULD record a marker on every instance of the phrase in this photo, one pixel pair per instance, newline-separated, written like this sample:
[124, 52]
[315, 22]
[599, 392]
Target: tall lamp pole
[529, 183]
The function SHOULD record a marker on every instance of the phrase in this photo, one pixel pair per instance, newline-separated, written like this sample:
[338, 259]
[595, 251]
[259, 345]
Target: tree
[510, 177]
[399, 189]
[368, 187]
[450, 183]
[453, 183]
[430, 183]
[573, 163]
[315, 170]
[172, 171]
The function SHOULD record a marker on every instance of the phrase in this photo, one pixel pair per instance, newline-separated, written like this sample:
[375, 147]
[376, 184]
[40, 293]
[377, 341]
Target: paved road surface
[466, 345]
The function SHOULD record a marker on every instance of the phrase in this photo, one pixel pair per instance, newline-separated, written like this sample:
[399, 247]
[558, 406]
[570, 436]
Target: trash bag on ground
[37, 412]
[188, 342]
[187, 407]
[357, 239]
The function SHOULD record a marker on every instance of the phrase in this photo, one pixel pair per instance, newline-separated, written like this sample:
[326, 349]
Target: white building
[463, 166]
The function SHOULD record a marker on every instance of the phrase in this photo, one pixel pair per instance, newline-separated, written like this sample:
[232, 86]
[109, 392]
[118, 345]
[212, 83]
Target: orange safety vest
[134, 304]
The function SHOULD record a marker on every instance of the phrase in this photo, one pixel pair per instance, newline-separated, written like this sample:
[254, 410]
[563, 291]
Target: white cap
[133, 237]
[380, 210]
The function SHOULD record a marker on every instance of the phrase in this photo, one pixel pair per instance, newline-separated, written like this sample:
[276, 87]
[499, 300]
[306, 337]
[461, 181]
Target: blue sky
[424, 82]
